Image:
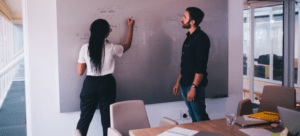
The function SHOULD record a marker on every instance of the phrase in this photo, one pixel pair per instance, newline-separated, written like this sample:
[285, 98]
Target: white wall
[41, 68]
[235, 47]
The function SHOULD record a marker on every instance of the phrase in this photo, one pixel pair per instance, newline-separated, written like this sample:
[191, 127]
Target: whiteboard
[149, 69]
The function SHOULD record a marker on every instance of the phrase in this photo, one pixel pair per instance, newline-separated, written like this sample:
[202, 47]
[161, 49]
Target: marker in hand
[130, 22]
[131, 18]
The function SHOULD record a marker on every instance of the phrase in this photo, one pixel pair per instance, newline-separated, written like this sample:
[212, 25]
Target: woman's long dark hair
[99, 29]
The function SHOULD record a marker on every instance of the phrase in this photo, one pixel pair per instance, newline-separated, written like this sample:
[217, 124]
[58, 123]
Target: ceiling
[15, 6]
[256, 1]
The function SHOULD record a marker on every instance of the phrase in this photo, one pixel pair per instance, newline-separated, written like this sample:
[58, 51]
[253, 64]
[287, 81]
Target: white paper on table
[247, 118]
[167, 133]
[177, 131]
[257, 132]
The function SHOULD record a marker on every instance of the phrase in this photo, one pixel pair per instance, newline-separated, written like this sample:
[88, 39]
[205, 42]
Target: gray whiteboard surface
[149, 69]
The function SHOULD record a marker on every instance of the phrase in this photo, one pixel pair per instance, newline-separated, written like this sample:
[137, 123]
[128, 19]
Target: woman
[99, 85]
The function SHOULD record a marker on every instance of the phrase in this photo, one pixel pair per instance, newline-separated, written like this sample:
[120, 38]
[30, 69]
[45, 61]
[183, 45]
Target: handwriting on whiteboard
[109, 12]
[175, 18]
[83, 37]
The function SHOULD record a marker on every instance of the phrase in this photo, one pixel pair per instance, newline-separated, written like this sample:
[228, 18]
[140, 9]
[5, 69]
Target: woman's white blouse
[108, 66]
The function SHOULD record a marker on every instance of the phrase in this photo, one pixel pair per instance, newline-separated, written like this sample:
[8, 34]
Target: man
[193, 76]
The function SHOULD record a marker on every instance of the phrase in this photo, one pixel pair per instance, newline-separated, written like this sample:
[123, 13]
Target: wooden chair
[244, 108]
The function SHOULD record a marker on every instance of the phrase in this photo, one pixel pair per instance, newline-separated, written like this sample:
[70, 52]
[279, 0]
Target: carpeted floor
[12, 113]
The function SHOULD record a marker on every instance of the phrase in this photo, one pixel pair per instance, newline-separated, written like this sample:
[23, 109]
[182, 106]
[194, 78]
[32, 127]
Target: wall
[41, 69]
[235, 47]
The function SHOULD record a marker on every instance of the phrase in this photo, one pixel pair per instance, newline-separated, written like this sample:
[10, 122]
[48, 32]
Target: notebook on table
[205, 133]
[177, 131]
[266, 115]
[240, 120]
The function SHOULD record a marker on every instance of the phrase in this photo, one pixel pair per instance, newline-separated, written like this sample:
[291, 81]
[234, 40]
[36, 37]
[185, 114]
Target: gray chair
[272, 97]
[128, 115]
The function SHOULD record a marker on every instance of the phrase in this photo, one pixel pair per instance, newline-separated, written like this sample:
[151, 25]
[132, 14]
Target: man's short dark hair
[195, 14]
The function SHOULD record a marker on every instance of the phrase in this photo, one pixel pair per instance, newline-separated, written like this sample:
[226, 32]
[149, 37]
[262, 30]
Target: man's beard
[187, 25]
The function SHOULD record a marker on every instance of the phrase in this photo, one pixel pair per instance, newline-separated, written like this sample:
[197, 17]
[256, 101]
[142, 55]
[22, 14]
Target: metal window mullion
[248, 36]
[10, 46]
[288, 42]
[285, 43]
[3, 42]
[298, 75]
[1, 88]
[2, 59]
[251, 54]
[7, 52]
[11, 51]
[271, 46]
[5, 76]
[2, 51]
[291, 42]
[11, 56]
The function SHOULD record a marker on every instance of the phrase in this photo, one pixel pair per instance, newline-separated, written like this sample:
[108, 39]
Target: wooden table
[216, 126]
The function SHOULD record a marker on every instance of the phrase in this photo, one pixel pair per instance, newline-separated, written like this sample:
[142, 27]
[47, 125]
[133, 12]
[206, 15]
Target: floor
[12, 113]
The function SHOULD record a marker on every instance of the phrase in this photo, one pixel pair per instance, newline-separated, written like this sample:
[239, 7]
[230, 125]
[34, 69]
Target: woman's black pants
[96, 89]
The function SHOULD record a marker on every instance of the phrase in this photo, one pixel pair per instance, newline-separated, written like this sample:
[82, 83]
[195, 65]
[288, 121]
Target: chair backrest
[244, 108]
[128, 115]
[274, 96]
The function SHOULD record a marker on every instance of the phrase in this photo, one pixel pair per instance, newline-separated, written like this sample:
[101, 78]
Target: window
[268, 49]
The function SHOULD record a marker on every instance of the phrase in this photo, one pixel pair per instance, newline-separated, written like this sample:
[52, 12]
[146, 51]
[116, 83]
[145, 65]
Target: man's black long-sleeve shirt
[194, 57]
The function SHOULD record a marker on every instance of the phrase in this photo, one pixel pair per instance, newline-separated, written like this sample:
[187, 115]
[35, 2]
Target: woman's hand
[127, 44]
[130, 22]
